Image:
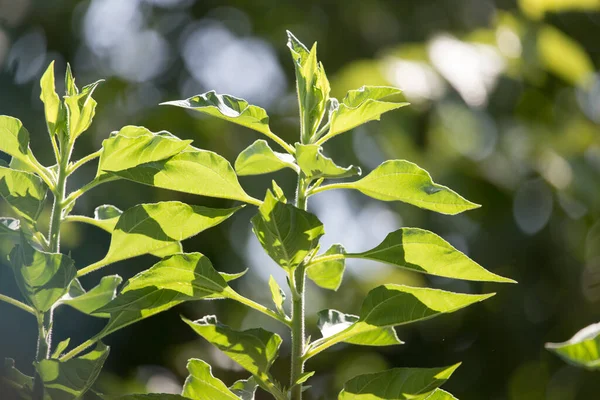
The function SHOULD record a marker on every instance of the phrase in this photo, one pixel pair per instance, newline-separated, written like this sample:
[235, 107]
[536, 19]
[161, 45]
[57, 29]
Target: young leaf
[258, 158]
[175, 279]
[286, 233]
[315, 165]
[50, 99]
[99, 296]
[24, 192]
[14, 141]
[196, 171]
[396, 384]
[17, 380]
[81, 108]
[136, 145]
[332, 322]
[360, 106]
[202, 385]
[582, 350]
[60, 348]
[254, 349]
[146, 228]
[66, 380]
[328, 274]
[42, 277]
[423, 251]
[399, 180]
[277, 295]
[245, 389]
[71, 88]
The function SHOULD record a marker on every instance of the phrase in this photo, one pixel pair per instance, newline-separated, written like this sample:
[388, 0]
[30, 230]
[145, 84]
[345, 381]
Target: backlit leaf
[258, 158]
[50, 99]
[277, 294]
[24, 192]
[582, 350]
[315, 165]
[81, 108]
[328, 274]
[95, 298]
[245, 389]
[14, 140]
[202, 385]
[332, 322]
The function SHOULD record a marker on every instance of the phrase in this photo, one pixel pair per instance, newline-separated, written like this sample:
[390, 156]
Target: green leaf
[14, 378]
[71, 88]
[9, 229]
[81, 108]
[277, 295]
[396, 384]
[582, 350]
[229, 108]
[52, 106]
[328, 274]
[286, 233]
[399, 180]
[303, 378]
[253, 349]
[245, 389]
[361, 106]
[146, 228]
[136, 145]
[24, 192]
[66, 380]
[258, 158]
[315, 165]
[175, 279]
[332, 322]
[60, 348]
[311, 84]
[98, 297]
[202, 385]
[149, 396]
[14, 141]
[423, 251]
[438, 394]
[42, 277]
[199, 172]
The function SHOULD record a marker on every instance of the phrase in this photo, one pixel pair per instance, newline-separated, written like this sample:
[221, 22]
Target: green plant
[582, 350]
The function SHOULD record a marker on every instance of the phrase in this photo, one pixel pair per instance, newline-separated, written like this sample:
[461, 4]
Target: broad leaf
[66, 380]
[399, 180]
[9, 229]
[202, 385]
[52, 106]
[396, 384]
[146, 228]
[315, 165]
[18, 381]
[360, 106]
[245, 389]
[229, 108]
[42, 277]
[196, 171]
[81, 108]
[328, 273]
[277, 295]
[423, 251]
[286, 233]
[332, 322]
[259, 158]
[14, 140]
[175, 279]
[582, 350]
[254, 349]
[24, 192]
[99, 296]
[136, 145]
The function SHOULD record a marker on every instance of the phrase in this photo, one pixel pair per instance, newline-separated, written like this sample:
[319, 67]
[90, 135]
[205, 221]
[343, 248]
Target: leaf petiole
[83, 160]
[18, 304]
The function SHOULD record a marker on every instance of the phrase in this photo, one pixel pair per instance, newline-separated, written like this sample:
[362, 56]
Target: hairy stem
[84, 160]
[258, 307]
[17, 303]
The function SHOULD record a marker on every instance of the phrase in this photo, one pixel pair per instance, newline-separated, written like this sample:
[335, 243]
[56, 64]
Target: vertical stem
[297, 279]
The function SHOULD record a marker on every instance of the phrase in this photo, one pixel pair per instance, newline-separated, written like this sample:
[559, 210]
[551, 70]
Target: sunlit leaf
[332, 322]
[286, 233]
[24, 192]
[14, 140]
[315, 165]
[71, 88]
[66, 380]
[399, 180]
[439, 394]
[95, 298]
[277, 294]
[423, 251]
[60, 348]
[582, 350]
[81, 108]
[42, 277]
[202, 385]
[245, 389]
[50, 99]
[328, 274]
[258, 158]
[396, 384]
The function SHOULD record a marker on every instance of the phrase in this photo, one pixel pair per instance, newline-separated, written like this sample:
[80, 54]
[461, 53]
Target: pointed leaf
[332, 322]
[71, 88]
[396, 384]
[202, 385]
[17, 380]
[52, 106]
[42, 277]
[582, 350]
[175, 279]
[277, 295]
[399, 180]
[361, 106]
[254, 349]
[60, 348]
[229, 108]
[14, 140]
[286, 233]
[24, 192]
[245, 389]
[315, 165]
[328, 274]
[99, 296]
[66, 380]
[258, 158]
[438, 394]
[196, 171]
[423, 251]
[81, 108]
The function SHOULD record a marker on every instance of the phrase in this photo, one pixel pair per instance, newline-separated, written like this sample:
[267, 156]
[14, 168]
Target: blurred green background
[505, 110]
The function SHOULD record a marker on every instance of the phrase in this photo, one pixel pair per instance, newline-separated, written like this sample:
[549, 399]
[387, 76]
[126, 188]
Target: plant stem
[79, 349]
[341, 185]
[297, 279]
[17, 303]
[84, 160]
[92, 267]
[258, 307]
